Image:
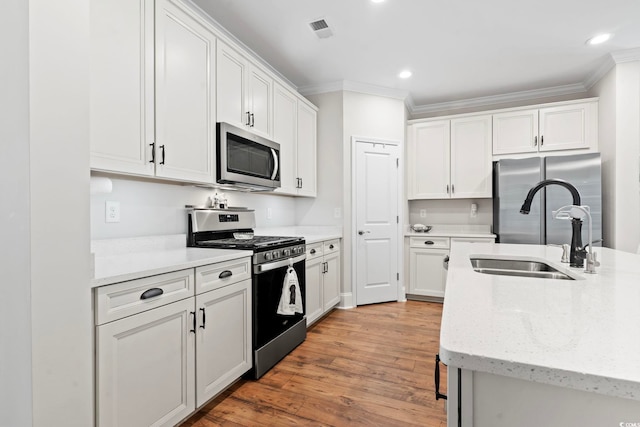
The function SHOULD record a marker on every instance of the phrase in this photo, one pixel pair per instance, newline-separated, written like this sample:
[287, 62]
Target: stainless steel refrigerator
[514, 177]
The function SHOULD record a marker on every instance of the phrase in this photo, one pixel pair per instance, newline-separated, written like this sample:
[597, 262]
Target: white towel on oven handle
[291, 297]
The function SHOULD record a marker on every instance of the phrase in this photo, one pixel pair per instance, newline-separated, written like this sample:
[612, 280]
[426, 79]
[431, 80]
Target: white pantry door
[376, 195]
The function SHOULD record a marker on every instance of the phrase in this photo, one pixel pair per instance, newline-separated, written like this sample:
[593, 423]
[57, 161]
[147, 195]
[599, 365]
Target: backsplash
[151, 208]
[456, 211]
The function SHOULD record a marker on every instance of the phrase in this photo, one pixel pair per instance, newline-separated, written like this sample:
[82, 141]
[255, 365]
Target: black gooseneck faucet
[577, 254]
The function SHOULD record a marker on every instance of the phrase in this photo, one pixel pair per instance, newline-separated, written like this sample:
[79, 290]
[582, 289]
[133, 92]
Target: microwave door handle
[275, 164]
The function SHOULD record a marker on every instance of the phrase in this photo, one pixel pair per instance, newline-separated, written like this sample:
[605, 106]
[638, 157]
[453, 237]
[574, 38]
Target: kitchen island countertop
[581, 334]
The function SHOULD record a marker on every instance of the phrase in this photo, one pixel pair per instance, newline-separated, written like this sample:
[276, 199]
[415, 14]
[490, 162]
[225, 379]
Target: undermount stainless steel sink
[514, 267]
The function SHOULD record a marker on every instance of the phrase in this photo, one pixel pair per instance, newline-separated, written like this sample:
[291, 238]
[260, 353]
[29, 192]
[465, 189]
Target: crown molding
[593, 78]
[346, 85]
[626, 55]
[486, 101]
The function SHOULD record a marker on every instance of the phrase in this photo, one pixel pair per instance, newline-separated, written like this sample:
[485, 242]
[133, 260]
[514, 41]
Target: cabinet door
[331, 281]
[566, 127]
[185, 94]
[427, 275]
[313, 283]
[260, 93]
[471, 159]
[122, 87]
[515, 132]
[145, 368]
[223, 347]
[307, 134]
[285, 113]
[428, 160]
[231, 77]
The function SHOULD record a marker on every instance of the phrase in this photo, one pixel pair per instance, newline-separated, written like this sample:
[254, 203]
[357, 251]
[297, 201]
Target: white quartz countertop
[582, 334]
[119, 260]
[310, 234]
[470, 231]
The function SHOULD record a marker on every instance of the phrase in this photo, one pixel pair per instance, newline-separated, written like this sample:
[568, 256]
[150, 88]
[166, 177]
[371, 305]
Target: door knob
[361, 232]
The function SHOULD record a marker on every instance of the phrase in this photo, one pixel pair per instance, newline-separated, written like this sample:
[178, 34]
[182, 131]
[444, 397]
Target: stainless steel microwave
[246, 160]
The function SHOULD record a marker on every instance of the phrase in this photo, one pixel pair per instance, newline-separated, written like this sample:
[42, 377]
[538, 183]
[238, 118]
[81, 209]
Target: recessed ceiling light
[600, 38]
[405, 74]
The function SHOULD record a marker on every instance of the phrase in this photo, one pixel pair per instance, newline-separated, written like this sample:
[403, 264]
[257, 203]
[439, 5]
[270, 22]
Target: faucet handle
[565, 251]
[591, 263]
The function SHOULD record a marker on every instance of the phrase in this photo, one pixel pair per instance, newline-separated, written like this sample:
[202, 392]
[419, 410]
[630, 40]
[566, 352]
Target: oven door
[245, 159]
[268, 283]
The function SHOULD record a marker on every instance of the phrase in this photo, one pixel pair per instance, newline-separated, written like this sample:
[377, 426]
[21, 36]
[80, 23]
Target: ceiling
[457, 50]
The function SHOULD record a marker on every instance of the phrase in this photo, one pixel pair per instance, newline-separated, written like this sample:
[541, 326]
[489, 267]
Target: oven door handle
[263, 268]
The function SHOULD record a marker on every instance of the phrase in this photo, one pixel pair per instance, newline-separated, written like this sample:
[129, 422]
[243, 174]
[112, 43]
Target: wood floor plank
[369, 366]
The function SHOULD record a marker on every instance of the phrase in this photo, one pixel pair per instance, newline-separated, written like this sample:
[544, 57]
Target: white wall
[365, 116]
[619, 136]
[451, 212]
[59, 194]
[156, 208]
[605, 89]
[15, 298]
[321, 210]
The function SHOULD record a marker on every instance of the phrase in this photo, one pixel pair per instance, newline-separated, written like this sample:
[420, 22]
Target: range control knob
[268, 256]
[286, 252]
[276, 254]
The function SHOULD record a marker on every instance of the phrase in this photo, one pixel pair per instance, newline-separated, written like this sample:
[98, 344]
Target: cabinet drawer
[331, 246]
[221, 274]
[135, 296]
[429, 242]
[314, 250]
[473, 239]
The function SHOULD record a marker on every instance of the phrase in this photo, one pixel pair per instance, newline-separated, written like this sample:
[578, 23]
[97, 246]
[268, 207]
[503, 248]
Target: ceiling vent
[321, 28]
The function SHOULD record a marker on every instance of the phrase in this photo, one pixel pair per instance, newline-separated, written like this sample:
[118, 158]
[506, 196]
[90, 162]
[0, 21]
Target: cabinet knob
[312, 251]
[331, 246]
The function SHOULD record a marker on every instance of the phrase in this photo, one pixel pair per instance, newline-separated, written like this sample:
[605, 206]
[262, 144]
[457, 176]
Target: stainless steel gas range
[274, 334]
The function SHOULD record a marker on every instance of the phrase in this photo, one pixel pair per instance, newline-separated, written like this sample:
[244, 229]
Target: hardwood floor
[368, 366]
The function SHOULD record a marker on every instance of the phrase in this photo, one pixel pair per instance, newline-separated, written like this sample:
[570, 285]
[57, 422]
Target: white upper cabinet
[428, 162]
[185, 96]
[570, 126]
[450, 159]
[285, 124]
[471, 160]
[515, 132]
[152, 91]
[245, 92]
[122, 86]
[307, 135]
[294, 128]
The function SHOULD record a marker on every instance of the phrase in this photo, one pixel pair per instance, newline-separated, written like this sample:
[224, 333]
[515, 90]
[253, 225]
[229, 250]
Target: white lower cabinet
[223, 339]
[145, 367]
[322, 278]
[158, 360]
[427, 272]
[428, 257]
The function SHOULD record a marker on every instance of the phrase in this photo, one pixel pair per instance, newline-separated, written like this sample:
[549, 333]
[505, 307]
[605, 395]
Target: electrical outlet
[423, 213]
[112, 212]
[337, 212]
[269, 213]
